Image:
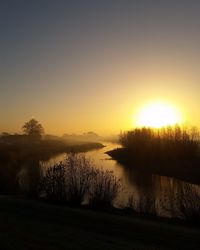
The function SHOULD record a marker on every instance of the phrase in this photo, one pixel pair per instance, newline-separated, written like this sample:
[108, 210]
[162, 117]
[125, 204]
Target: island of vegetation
[169, 151]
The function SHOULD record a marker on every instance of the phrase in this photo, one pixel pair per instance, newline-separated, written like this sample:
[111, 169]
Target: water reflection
[149, 193]
[29, 177]
[161, 195]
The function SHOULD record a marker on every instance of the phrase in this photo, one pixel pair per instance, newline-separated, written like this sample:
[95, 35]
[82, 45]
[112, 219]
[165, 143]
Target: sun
[157, 115]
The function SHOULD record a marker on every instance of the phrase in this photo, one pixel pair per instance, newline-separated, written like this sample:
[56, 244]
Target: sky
[90, 65]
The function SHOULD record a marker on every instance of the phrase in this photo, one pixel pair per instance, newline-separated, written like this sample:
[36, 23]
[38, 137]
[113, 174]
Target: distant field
[41, 149]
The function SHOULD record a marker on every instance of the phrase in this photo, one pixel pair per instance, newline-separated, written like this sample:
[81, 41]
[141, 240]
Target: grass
[34, 225]
[104, 189]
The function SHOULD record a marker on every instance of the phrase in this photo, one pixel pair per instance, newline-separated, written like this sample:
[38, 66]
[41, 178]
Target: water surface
[144, 191]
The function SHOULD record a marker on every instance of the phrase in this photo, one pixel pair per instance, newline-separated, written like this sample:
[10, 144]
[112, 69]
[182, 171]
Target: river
[143, 191]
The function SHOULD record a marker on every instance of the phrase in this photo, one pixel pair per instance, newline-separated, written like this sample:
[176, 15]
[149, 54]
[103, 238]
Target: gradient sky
[90, 65]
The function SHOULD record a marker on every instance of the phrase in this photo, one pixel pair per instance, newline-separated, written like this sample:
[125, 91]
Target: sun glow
[157, 115]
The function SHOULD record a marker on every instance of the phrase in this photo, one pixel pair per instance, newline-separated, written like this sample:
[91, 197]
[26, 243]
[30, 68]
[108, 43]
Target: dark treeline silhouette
[170, 151]
[167, 142]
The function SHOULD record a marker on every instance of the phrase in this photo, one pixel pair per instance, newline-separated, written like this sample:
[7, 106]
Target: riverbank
[20, 156]
[29, 224]
[42, 149]
[186, 170]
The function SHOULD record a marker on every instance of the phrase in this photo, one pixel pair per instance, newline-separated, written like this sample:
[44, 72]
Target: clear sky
[89, 65]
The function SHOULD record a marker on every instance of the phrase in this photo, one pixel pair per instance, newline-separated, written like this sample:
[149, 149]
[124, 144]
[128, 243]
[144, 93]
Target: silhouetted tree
[33, 129]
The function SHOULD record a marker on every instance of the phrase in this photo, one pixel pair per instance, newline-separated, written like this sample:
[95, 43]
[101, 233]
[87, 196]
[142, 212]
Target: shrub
[68, 181]
[79, 172]
[53, 183]
[103, 189]
[75, 179]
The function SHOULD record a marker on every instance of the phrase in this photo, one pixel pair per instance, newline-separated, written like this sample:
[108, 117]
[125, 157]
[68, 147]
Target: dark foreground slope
[34, 225]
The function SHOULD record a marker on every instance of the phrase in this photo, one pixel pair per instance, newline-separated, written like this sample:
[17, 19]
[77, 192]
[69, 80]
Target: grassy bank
[42, 149]
[35, 225]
